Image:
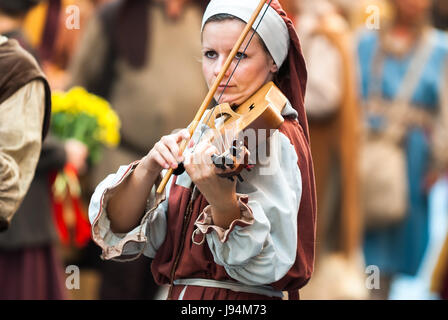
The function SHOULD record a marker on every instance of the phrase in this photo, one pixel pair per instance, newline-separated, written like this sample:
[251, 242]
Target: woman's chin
[230, 99]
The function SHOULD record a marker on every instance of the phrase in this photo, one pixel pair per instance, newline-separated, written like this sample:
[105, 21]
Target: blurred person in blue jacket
[408, 48]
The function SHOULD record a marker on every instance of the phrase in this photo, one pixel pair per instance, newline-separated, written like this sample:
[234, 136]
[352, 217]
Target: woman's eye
[210, 54]
[240, 56]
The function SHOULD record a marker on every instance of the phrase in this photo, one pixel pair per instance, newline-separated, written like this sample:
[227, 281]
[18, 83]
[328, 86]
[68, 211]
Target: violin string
[234, 69]
[244, 51]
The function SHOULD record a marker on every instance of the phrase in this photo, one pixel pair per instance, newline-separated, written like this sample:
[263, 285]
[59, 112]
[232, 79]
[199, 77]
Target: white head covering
[272, 29]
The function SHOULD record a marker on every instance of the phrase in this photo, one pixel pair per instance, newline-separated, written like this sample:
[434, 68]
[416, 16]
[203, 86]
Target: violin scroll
[233, 161]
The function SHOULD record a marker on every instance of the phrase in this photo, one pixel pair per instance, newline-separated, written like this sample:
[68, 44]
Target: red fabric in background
[80, 235]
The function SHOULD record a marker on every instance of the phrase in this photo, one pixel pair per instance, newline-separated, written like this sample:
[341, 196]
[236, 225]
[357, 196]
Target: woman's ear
[274, 68]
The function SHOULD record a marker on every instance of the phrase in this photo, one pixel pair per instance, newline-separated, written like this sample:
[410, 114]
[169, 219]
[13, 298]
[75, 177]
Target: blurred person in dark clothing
[440, 14]
[29, 262]
[20, 141]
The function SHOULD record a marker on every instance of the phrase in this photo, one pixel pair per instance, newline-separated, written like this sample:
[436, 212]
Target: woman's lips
[221, 87]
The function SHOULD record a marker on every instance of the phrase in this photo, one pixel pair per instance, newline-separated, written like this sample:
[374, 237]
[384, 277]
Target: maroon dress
[180, 255]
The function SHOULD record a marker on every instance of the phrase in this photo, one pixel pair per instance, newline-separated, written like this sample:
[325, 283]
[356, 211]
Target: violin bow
[211, 92]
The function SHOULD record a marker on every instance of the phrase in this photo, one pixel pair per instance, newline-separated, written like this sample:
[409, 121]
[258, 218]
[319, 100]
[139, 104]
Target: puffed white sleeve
[145, 238]
[260, 247]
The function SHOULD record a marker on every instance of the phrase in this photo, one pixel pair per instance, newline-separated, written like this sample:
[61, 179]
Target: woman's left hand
[219, 192]
[203, 173]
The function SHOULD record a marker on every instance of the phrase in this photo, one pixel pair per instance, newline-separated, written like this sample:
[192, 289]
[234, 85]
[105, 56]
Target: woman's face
[255, 69]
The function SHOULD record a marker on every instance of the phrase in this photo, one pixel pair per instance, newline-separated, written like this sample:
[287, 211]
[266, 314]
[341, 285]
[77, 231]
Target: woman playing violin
[212, 237]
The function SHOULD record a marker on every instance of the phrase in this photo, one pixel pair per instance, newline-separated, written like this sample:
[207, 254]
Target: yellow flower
[77, 100]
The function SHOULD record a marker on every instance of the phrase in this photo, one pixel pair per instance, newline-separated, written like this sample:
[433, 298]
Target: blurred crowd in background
[377, 105]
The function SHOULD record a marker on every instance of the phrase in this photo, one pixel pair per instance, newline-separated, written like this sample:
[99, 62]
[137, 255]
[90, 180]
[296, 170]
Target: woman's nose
[220, 64]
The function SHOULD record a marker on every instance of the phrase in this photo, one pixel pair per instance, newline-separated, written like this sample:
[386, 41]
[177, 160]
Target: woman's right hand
[129, 200]
[166, 152]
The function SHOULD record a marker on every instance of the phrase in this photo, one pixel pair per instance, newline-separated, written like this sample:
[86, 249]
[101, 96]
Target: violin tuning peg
[237, 143]
[235, 151]
[230, 178]
[214, 158]
[179, 170]
[218, 161]
[229, 162]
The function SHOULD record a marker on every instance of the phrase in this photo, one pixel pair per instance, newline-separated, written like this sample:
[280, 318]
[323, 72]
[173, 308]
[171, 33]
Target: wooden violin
[261, 111]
